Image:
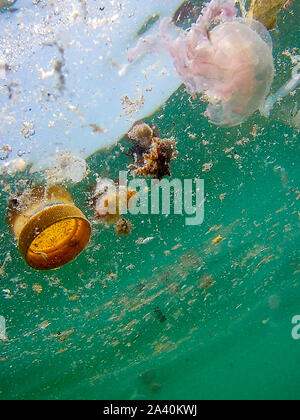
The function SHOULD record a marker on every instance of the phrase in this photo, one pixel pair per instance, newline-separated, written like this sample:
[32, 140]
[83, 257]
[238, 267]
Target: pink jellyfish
[226, 59]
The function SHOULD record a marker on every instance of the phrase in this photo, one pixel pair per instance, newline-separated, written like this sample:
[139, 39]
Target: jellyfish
[226, 59]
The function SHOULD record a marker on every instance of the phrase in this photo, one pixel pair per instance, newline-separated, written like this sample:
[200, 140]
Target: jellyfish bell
[242, 71]
[231, 63]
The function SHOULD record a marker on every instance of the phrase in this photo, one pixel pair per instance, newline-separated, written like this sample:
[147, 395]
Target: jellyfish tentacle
[162, 42]
[289, 87]
[148, 45]
[223, 9]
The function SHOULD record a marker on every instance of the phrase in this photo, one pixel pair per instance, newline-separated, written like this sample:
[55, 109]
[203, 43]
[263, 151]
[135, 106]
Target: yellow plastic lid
[53, 235]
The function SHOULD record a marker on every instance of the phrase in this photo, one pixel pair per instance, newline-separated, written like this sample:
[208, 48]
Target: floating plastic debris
[5, 151]
[296, 120]
[51, 231]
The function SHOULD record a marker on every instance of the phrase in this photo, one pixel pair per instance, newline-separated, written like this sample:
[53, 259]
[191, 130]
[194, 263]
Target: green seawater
[131, 321]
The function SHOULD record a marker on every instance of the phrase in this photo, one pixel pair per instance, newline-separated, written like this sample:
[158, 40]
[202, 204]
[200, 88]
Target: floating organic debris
[97, 129]
[266, 11]
[123, 227]
[207, 167]
[148, 24]
[5, 151]
[58, 68]
[2, 267]
[160, 315]
[37, 288]
[110, 200]
[152, 156]
[131, 106]
[4, 69]
[6, 5]
[62, 336]
[141, 134]
[206, 282]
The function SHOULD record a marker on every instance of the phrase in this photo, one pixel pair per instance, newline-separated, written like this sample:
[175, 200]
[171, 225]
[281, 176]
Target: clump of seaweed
[152, 156]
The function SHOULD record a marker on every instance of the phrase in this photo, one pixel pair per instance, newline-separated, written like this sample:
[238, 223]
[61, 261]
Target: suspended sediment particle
[5, 151]
[37, 288]
[28, 129]
[97, 129]
[160, 315]
[152, 156]
[206, 282]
